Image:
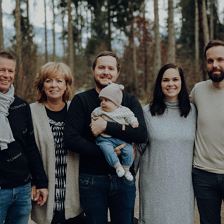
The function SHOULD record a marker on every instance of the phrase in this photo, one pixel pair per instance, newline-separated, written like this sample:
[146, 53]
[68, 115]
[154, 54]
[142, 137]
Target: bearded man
[100, 187]
[208, 163]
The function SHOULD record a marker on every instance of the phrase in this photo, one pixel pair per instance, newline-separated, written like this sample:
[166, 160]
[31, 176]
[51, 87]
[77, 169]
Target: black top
[21, 160]
[57, 122]
[79, 138]
[57, 115]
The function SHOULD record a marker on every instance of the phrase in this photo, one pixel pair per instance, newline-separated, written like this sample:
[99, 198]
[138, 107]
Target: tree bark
[27, 11]
[157, 54]
[45, 31]
[109, 24]
[53, 32]
[70, 37]
[211, 22]
[196, 42]
[205, 22]
[63, 30]
[145, 49]
[171, 34]
[19, 76]
[1, 28]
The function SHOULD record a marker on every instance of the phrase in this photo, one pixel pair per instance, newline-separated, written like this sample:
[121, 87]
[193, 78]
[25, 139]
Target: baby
[111, 110]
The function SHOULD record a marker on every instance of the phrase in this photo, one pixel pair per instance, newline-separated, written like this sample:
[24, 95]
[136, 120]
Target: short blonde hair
[50, 70]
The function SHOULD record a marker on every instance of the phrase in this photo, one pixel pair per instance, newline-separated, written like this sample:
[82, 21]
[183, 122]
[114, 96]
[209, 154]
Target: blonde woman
[53, 84]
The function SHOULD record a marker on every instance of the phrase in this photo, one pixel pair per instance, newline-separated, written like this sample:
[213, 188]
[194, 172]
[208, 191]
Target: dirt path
[196, 219]
[195, 222]
[137, 209]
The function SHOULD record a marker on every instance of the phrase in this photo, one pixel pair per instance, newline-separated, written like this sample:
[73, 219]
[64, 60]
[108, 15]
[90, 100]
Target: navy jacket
[21, 162]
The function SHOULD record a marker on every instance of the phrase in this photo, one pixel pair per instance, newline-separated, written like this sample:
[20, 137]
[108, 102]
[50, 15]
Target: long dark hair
[158, 106]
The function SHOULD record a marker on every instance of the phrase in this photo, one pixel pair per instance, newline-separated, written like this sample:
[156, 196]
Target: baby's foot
[120, 171]
[128, 176]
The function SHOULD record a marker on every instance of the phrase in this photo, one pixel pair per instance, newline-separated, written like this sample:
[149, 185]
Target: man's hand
[39, 195]
[33, 193]
[98, 126]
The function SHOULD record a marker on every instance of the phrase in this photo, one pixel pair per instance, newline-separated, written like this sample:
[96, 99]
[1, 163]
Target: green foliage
[26, 31]
[124, 12]
[99, 27]
[187, 28]
[98, 23]
[29, 54]
[218, 26]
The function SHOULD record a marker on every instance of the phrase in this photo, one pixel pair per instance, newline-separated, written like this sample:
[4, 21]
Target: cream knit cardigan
[45, 142]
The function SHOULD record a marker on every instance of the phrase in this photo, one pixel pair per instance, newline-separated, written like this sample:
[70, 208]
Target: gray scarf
[6, 135]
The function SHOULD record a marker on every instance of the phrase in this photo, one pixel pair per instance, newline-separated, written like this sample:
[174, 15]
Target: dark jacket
[79, 138]
[21, 161]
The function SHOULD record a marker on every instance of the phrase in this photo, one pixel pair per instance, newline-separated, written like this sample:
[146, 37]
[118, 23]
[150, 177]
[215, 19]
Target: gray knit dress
[166, 193]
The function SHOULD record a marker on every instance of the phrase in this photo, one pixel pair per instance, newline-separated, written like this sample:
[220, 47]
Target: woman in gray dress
[166, 193]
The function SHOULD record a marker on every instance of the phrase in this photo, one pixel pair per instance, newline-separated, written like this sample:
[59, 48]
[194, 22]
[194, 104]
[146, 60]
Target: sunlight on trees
[74, 31]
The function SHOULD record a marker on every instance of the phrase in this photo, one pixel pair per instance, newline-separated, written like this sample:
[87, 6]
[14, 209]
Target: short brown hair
[106, 53]
[7, 54]
[52, 69]
[213, 43]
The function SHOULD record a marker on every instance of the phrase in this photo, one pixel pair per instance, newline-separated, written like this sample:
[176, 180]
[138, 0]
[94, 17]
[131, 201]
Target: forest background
[74, 31]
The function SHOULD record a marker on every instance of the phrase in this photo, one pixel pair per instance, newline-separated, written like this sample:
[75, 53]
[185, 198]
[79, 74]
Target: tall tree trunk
[211, 22]
[145, 53]
[203, 32]
[77, 22]
[53, 31]
[63, 30]
[134, 61]
[27, 11]
[109, 24]
[196, 42]
[133, 80]
[19, 76]
[45, 31]
[157, 54]
[171, 34]
[205, 22]
[70, 37]
[1, 28]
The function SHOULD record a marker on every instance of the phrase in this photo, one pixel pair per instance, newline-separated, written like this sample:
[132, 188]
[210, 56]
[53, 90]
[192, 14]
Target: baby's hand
[135, 124]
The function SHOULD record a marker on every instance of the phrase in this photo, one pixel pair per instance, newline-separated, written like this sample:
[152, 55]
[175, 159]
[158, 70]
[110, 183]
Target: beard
[216, 78]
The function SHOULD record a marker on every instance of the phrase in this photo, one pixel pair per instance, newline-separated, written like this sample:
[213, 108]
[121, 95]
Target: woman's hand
[39, 195]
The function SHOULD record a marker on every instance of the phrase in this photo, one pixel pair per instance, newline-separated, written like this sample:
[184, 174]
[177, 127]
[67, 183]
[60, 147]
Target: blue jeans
[107, 145]
[15, 205]
[98, 193]
[209, 193]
